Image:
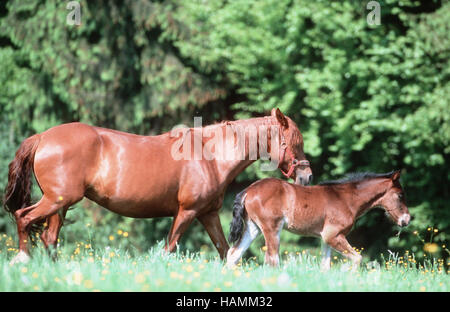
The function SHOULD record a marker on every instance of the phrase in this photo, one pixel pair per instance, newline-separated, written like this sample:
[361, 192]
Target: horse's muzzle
[304, 179]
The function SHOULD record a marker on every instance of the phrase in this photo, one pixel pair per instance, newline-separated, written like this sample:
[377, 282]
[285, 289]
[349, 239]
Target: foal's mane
[356, 177]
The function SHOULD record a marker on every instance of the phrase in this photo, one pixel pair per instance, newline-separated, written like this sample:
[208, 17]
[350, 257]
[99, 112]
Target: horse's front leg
[211, 222]
[180, 224]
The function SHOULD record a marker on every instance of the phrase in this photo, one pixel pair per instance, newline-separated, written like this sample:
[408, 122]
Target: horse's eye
[400, 196]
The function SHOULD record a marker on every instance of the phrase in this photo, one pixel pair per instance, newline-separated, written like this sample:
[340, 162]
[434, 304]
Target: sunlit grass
[108, 269]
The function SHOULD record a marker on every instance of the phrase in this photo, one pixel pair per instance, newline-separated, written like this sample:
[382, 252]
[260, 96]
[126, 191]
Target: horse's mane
[355, 177]
[293, 137]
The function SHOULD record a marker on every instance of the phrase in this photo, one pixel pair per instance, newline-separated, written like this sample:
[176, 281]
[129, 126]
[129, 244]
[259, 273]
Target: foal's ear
[396, 175]
[280, 117]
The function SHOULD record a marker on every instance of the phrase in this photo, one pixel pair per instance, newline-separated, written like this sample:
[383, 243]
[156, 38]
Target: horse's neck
[238, 154]
[364, 196]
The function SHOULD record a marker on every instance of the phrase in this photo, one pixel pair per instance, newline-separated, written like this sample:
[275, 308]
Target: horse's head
[393, 201]
[292, 159]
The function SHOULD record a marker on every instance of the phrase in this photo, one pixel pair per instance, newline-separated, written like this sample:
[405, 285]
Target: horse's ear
[396, 175]
[280, 117]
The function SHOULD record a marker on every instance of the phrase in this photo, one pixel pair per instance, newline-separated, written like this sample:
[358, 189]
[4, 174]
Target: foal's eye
[400, 196]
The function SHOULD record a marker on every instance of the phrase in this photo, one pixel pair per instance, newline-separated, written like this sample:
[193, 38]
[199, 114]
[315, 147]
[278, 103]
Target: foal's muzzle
[404, 219]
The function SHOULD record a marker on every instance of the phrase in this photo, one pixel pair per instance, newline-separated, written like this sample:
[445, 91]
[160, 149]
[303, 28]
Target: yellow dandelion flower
[228, 283]
[88, 284]
[111, 237]
[77, 278]
[423, 288]
[119, 232]
[196, 274]
[140, 278]
[435, 230]
[264, 248]
[189, 268]
[431, 247]
[206, 284]
[35, 275]
[237, 273]
[125, 234]
[173, 274]
[24, 270]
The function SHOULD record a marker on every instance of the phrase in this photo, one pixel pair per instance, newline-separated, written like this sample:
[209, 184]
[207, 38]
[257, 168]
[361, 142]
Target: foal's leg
[235, 253]
[211, 222]
[340, 243]
[271, 234]
[325, 264]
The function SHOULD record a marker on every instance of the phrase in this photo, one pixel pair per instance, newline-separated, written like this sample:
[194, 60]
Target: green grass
[117, 270]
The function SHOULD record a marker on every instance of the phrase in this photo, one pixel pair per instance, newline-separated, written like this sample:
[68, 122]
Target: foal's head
[393, 201]
[293, 162]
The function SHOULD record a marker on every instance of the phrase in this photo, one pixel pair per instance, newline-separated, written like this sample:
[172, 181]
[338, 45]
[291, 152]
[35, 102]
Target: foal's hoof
[21, 257]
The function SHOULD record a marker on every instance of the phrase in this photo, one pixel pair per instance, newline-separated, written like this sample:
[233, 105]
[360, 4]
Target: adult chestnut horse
[134, 176]
[328, 211]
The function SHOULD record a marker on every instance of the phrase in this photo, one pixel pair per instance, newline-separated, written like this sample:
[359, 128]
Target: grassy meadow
[115, 269]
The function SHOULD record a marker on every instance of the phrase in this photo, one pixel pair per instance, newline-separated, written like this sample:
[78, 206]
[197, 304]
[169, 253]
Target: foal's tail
[237, 224]
[18, 190]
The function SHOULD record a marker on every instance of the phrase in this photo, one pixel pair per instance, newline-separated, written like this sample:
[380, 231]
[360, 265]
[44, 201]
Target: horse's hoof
[21, 257]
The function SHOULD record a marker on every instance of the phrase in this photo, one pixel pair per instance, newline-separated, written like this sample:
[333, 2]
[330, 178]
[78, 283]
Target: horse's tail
[18, 190]
[237, 224]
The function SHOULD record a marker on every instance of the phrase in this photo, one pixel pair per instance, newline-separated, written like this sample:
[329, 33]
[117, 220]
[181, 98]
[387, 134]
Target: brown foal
[328, 211]
[137, 176]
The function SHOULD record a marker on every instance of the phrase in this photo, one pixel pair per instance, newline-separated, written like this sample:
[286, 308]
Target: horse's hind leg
[26, 217]
[50, 233]
[23, 255]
